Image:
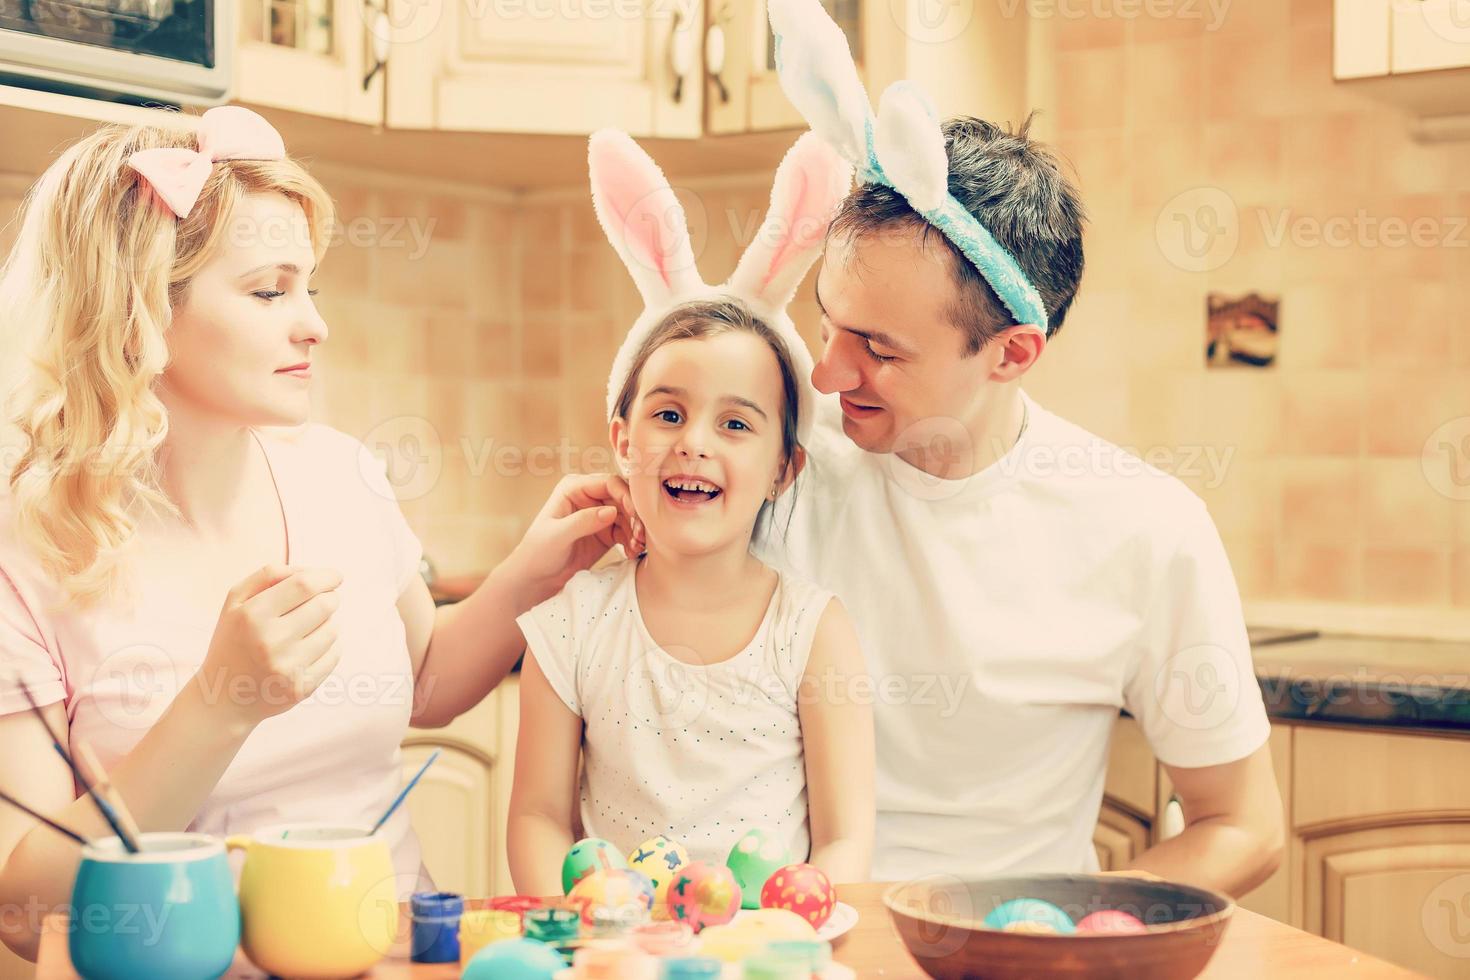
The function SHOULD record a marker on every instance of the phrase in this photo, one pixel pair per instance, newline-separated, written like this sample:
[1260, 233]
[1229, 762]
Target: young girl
[705, 693]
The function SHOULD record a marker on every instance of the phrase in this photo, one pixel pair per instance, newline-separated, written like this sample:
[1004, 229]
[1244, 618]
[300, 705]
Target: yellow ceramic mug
[317, 901]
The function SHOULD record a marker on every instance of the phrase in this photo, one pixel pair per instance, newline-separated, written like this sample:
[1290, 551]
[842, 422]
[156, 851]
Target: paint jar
[816, 953]
[667, 938]
[692, 968]
[776, 966]
[605, 961]
[436, 918]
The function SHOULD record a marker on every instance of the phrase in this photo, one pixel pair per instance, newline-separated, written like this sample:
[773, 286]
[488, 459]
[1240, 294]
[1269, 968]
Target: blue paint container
[436, 918]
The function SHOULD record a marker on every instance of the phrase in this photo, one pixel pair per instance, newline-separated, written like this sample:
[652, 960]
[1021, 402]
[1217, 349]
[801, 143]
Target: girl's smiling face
[702, 444]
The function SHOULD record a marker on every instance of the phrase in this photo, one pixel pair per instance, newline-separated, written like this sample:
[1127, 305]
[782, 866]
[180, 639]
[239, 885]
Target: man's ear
[1021, 347]
[617, 435]
[792, 471]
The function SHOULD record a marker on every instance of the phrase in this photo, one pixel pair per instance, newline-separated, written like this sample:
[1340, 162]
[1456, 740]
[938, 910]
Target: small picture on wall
[1241, 331]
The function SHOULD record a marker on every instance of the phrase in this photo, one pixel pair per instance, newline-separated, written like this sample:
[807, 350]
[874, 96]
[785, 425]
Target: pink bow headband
[227, 132]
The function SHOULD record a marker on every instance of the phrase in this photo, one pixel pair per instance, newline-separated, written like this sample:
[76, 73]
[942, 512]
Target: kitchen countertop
[1252, 946]
[1359, 680]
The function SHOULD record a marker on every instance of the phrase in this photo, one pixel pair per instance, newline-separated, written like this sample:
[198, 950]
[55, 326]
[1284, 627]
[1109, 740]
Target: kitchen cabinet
[1378, 852]
[969, 57]
[459, 808]
[539, 66]
[1413, 53]
[312, 56]
[1383, 862]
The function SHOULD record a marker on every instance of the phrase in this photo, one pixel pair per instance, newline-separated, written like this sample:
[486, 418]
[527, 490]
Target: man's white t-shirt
[1006, 618]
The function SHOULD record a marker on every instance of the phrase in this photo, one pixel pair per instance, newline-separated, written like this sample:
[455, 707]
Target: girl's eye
[742, 427]
[874, 354]
[667, 415]
[312, 292]
[268, 294]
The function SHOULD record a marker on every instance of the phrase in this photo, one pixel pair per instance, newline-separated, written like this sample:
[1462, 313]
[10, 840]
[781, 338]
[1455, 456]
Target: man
[1015, 580]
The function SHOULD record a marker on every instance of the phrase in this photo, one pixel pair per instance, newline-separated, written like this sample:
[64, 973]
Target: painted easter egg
[1114, 921]
[1029, 915]
[515, 959]
[586, 856]
[613, 888]
[703, 894]
[801, 888]
[660, 859]
[754, 858]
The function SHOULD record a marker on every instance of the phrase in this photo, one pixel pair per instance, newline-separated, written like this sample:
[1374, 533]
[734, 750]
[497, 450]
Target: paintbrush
[45, 820]
[102, 805]
[103, 782]
[411, 784]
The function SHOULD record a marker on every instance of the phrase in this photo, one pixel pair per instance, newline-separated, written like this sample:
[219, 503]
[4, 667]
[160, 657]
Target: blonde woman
[231, 618]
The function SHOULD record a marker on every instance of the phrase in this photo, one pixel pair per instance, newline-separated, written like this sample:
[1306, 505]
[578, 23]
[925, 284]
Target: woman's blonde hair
[86, 298]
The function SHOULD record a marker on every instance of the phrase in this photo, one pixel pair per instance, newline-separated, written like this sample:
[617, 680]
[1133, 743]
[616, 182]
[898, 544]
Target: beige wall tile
[1322, 413]
[1322, 572]
[1406, 576]
[1402, 508]
[1320, 500]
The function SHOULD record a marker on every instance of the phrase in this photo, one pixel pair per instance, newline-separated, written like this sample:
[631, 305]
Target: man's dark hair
[1016, 189]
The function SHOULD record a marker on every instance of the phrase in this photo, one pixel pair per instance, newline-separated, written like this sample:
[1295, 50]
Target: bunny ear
[641, 216]
[910, 146]
[818, 75]
[810, 183]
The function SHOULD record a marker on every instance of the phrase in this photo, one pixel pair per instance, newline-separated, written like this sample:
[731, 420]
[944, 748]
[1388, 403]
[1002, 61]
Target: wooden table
[1254, 947]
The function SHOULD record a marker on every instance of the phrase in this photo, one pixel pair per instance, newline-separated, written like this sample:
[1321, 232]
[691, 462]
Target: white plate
[842, 919]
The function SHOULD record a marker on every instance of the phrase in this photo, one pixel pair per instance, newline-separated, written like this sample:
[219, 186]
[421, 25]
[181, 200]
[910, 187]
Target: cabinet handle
[682, 45]
[380, 34]
[714, 59]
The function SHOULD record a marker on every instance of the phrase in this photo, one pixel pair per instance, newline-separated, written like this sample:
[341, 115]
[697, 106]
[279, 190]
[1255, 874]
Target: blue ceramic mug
[168, 912]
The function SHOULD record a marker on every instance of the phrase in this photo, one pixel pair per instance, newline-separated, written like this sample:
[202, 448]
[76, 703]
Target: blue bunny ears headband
[902, 148]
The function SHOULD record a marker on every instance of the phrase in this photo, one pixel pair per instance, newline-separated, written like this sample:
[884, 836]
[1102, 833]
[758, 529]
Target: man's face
[891, 349]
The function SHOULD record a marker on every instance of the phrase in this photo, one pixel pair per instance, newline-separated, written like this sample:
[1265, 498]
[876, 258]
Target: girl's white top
[698, 752]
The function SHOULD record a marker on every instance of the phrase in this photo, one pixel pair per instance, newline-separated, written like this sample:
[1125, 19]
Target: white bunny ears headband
[902, 148]
[647, 226]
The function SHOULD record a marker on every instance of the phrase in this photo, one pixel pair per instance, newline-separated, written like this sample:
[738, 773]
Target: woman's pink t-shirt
[332, 758]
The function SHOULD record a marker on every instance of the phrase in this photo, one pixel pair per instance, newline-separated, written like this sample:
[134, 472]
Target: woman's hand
[274, 642]
[584, 516]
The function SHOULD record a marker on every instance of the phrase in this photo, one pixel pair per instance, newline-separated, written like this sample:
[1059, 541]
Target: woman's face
[240, 344]
[702, 442]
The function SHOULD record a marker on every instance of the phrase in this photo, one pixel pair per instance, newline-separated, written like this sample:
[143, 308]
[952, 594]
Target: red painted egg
[1111, 921]
[803, 889]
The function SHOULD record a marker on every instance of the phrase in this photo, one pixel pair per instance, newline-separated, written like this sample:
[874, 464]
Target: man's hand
[584, 517]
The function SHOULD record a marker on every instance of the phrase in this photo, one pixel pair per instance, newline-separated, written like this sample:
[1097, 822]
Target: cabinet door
[745, 95]
[545, 66]
[311, 56]
[451, 809]
[1429, 35]
[1384, 858]
[1360, 38]
[1121, 835]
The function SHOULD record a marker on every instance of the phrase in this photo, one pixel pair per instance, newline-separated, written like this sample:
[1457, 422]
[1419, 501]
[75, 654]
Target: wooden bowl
[939, 920]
